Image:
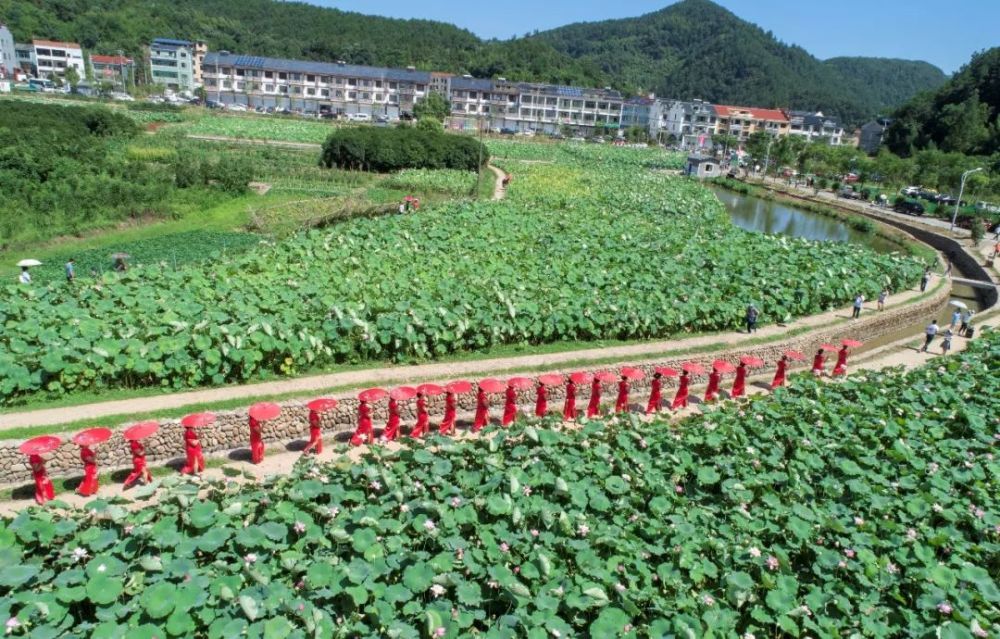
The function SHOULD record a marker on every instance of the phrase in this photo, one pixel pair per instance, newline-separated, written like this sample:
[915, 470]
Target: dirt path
[282, 143]
[280, 458]
[389, 375]
[499, 190]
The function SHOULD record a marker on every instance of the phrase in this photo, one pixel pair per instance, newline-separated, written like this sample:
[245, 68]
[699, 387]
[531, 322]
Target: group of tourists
[262, 413]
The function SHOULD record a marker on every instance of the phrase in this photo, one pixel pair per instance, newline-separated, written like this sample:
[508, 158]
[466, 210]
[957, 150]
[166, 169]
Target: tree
[434, 106]
[201, 93]
[72, 77]
[428, 123]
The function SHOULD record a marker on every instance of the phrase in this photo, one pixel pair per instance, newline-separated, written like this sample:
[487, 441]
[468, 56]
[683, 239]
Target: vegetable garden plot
[282, 128]
[869, 508]
[579, 251]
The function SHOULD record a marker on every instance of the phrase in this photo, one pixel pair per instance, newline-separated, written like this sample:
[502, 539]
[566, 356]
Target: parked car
[508, 131]
[238, 108]
[848, 193]
[328, 115]
[927, 194]
[986, 207]
[910, 191]
[851, 178]
[359, 117]
[578, 139]
[382, 119]
[910, 208]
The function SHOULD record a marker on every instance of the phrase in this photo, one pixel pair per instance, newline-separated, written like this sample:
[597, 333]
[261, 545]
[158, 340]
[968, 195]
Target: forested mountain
[695, 48]
[690, 49]
[963, 115]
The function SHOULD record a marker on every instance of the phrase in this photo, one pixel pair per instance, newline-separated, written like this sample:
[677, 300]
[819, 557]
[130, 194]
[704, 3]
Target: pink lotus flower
[892, 568]
[772, 562]
[583, 529]
[754, 552]
[534, 532]
[858, 521]
[678, 489]
[299, 527]
[620, 588]
[429, 525]
[944, 608]
[440, 632]
[708, 600]
[250, 559]
[849, 553]
[504, 547]
[456, 502]
[375, 485]
[526, 491]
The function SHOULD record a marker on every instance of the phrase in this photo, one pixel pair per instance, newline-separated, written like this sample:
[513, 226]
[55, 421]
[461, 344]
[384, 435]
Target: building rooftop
[317, 68]
[774, 115]
[109, 59]
[170, 42]
[569, 92]
[55, 43]
[461, 83]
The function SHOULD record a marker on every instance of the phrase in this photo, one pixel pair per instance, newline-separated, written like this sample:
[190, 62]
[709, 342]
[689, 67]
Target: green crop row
[869, 508]
[580, 250]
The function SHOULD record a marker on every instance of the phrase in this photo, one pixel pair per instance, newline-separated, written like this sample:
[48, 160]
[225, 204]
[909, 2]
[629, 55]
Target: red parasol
[459, 388]
[265, 411]
[520, 383]
[667, 372]
[198, 420]
[751, 361]
[629, 372]
[580, 378]
[40, 445]
[430, 390]
[372, 395]
[606, 377]
[322, 405]
[693, 368]
[491, 385]
[92, 436]
[851, 343]
[795, 355]
[551, 379]
[403, 393]
[830, 348]
[723, 366]
[141, 431]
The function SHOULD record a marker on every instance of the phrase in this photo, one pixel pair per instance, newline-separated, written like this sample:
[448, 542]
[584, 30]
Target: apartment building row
[692, 124]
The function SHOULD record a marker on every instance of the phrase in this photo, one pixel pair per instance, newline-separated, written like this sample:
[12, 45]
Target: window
[325, 93]
[240, 86]
[239, 73]
[269, 88]
[296, 90]
[269, 75]
[296, 77]
[283, 89]
[352, 95]
[526, 99]
[210, 82]
[602, 105]
[326, 79]
[378, 97]
[577, 104]
[551, 101]
[485, 108]
[339, 94]
[421, 87]
[590, 104]
[183, 65]
[366, 96]
[351, 82]
[310, 91]
[340, 82]
[378, 84]
[282, 75]
[310, 78]
[394, 99]
[393, 85]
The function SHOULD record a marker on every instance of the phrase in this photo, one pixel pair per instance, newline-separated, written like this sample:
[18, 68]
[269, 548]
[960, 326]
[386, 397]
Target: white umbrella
[29, 262]
[958, 304]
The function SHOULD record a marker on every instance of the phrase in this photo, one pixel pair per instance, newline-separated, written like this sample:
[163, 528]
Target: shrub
[387, 150]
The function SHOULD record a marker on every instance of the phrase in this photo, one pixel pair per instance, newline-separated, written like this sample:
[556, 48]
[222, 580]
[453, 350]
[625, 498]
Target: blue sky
[942, 33]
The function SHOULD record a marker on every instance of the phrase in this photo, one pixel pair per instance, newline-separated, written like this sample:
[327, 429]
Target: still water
[767, 216]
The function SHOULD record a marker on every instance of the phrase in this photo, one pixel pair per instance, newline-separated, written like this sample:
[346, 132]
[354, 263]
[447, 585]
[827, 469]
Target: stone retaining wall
[230, 432]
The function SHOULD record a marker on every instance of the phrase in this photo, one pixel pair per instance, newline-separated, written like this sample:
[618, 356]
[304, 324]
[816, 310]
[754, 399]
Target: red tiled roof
[774, 115]
[110, 59]
[54, 43]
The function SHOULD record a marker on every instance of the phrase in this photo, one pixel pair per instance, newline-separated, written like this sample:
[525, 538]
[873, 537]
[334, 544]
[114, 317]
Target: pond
[769, 216]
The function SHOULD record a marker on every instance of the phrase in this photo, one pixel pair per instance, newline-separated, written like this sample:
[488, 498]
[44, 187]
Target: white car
[911, 191]
[122, 97]
[241, 108]
[359, 117]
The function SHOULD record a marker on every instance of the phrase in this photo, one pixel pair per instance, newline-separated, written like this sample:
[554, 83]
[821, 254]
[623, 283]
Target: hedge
[385, 150]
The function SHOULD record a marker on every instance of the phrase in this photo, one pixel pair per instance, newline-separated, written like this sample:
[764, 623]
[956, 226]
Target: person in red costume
[509, 406]
[88, 486]
[681, 398]
[541, 400]
[779, 374]
[450, 410]
[423, 419]
[818, 363]
[482, 417]
[192, 447]
[44, 491]
[655, 396]
[841, 367]
[364, 432]
[139, 470]
[569, 407]
[256, 441]
[712, 392]
[740, 385]
[391, 431]
[594, 406]
[621, 403]
[315, 444]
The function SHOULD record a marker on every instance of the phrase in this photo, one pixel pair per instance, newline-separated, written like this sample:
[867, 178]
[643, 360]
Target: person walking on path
[70, 270]
[364, 432]
[882, 297]
[509, 406]
[818, 363]
[740, 384]
[929, 332]
[966, 322]
[25, 276]
[482, 417]
[391, 430]
[569, 407]
[956, 317]
[192, 449]
[841, 367]
[594, 406]
[779, 374]
[681, 398]
[751, 319]
[621, 403]
[951, 264]
[859, 301]
[541, 400]
[925, 279]
[423, 418]
[655, 394]
[139, 469]
[712, 391]
[450, 410]
[946, 342]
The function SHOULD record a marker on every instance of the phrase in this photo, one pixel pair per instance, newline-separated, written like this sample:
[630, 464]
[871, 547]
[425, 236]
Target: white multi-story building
[54, 58]
[176, 64]
[815, 126]
[8, 55]
[548, 107]
[313, 86]
[690, 124]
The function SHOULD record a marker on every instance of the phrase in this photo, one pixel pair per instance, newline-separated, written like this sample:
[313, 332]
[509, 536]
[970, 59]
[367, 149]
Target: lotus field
[869, 508]
[274, 127]
[581, 250]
